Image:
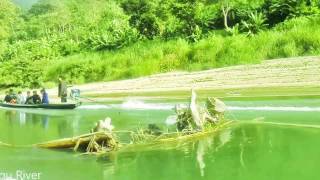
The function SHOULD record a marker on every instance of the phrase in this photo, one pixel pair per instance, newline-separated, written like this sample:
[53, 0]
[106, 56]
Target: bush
[254, 24]
[21, 73]
[278, 11]
[150, 57]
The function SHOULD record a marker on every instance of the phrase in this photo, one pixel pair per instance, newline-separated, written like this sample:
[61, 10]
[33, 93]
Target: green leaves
[115, 39]
[112, 31]
[8, 14]
[280, 10]
[59, 29]
[21, 73]
[143, 17]
[41, 9]
[254, 24]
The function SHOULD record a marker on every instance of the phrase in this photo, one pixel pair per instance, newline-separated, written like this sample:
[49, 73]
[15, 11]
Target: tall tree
[8, 14]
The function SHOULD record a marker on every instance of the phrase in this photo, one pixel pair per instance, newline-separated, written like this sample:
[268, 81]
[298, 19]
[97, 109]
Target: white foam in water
[94, 107]
[274, 108]
[136, 104]
[132, 104]
[141, 105]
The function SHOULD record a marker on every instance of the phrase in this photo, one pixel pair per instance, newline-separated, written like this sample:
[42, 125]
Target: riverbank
[279, 77]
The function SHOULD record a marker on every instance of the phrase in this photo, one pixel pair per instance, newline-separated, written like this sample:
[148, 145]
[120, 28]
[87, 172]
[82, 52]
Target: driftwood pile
[195, 117]
[93, 142]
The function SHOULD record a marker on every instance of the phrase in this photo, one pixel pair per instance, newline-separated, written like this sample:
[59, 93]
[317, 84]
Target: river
[251, 149]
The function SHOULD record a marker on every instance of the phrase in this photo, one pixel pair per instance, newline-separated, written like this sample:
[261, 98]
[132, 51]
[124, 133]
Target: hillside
[124, 39]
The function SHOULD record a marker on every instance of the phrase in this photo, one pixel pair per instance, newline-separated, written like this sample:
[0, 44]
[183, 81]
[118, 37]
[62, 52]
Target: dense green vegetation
[25, 4]
[95, 40]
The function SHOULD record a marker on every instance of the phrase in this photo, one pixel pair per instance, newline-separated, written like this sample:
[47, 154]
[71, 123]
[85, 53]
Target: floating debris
[196, 117]
[192, 121]
[103, 125]
[93, 142]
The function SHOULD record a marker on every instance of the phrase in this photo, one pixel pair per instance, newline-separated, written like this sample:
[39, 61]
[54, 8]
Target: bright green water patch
[244, 151]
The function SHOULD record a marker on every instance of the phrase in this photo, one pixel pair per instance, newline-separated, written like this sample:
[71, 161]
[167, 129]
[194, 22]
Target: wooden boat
[43, 106]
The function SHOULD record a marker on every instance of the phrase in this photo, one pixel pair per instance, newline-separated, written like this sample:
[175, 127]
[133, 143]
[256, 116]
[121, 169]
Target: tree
[8, 14]
[41, 8]
[112, 30]
[143, 17]
[226, 7]
[188, 13]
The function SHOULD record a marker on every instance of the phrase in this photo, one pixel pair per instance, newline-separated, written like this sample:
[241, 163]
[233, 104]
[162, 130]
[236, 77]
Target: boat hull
[42, 106]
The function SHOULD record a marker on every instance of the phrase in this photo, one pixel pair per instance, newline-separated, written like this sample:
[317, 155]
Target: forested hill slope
[102, 40]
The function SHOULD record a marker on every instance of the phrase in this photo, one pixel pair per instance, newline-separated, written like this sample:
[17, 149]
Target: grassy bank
[296, 37]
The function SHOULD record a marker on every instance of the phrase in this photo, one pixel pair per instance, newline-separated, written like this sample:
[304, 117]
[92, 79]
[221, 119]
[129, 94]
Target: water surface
[244, 151]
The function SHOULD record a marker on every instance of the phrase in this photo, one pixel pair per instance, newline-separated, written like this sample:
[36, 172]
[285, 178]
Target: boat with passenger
[42, 106]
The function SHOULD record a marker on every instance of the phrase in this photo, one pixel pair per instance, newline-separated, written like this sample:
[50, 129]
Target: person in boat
[36, 98]
[7, 98]
[29, 99]
[20, 98]
[45, 97]
[13, 97]
[62, 90]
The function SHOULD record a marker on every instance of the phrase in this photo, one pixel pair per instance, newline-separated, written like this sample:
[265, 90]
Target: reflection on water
[201, 149]
[207, 145]
[29, 126]
[20, 128]
[241, 152]
[22, 118]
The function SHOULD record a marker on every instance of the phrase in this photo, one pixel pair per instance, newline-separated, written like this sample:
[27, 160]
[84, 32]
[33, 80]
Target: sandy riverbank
[278, 77]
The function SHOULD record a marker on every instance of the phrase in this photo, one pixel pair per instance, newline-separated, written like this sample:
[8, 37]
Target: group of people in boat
[12, 98]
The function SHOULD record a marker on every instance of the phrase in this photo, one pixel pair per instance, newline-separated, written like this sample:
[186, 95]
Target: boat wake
[141, 105]
[130, 104]
[94, 107]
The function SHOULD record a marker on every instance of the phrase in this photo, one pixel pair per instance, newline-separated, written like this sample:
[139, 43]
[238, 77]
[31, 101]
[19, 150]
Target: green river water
[247, 150]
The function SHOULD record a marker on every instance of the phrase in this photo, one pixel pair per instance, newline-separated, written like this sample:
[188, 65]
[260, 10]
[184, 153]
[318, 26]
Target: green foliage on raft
[99, 40]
